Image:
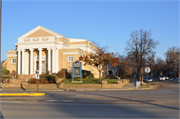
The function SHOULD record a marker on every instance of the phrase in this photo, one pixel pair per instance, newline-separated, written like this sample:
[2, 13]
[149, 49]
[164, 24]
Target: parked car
[171, 79]
[150, 79]
[161, 78]
[142, 77]
[166, 77]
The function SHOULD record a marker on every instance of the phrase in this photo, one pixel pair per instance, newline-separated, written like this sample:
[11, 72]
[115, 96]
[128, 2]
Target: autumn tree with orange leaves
[99, 59]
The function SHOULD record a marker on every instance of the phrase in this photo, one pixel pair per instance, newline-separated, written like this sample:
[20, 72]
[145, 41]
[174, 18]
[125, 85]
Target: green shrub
[33, 81]
[91, 76]
[40, 81]
[43, 81]
[5, 71]
[85, 74]
[51, 78]
[7, 77]
[53, 74]
[61, 74]
[70, 75]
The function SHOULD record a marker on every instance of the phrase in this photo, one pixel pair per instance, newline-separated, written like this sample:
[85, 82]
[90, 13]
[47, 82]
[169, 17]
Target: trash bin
[138, 84]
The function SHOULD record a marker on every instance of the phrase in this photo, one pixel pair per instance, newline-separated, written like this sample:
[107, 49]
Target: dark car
[149, 79]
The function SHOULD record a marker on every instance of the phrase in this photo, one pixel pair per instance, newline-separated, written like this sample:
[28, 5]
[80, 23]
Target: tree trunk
[99, 75]
[138, 72]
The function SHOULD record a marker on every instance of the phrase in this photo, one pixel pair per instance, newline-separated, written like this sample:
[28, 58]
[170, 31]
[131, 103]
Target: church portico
[42, 59]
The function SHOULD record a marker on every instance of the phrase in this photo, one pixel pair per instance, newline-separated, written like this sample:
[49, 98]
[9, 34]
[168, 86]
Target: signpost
[37, 77]
[147, 70]
[76, 70]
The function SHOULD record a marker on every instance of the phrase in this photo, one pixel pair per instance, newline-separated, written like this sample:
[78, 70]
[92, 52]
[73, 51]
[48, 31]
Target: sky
[109, 23]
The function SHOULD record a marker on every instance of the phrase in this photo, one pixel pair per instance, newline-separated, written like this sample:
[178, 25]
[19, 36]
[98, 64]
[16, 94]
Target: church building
[47, 51]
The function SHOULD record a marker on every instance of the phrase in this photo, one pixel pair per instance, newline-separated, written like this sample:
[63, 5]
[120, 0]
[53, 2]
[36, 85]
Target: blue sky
[108, 23]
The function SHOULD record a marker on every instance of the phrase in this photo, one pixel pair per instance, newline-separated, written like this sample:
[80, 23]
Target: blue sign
[76, 70]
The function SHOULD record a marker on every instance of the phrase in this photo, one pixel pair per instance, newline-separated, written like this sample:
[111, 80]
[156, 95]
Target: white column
[19, 61]
[49, 60]
[23, 62]
[31, 61]
[57, 60]
[40, 61]
[53, 61]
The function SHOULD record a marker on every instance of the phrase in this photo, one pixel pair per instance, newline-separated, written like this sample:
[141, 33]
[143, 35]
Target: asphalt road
[159, 103]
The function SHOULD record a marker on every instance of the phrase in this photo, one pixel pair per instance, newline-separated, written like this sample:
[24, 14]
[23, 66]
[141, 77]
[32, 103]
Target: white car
[162, 78]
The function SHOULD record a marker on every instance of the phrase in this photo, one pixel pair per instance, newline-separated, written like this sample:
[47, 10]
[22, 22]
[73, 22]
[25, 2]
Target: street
[158, 103]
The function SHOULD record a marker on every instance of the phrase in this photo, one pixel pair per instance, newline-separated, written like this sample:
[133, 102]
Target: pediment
[40, 33]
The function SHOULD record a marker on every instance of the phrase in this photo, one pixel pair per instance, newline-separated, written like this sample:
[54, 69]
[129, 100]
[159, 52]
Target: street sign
[147, 69]
[76, 70]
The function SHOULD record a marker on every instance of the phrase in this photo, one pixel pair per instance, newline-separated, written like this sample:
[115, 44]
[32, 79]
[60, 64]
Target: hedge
[40, 81]
[6, 77]
[5, 71]
[85, 74]
[50, 78]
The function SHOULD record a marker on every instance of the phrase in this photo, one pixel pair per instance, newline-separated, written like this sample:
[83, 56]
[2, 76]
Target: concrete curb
[22, 94]
[81, 89]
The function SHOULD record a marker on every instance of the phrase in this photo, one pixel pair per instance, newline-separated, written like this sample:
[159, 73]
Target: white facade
[28, 63]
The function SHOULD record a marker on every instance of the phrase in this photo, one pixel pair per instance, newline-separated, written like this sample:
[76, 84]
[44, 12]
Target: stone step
[23, 78]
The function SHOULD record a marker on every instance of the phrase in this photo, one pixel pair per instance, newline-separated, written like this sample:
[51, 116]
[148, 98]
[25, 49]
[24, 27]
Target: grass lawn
[90, 81]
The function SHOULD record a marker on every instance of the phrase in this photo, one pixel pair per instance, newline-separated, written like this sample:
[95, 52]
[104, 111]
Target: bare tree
[172, 59]
[124, 69]
[139, 48]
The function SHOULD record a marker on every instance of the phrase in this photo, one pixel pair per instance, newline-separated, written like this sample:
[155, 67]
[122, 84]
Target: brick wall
[62, 85]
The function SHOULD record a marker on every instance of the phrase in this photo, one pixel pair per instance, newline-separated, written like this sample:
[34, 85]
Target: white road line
[12, 101]
[59, 100]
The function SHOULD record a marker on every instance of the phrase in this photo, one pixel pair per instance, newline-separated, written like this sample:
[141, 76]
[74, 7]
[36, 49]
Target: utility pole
[174, 62]
[0, 33]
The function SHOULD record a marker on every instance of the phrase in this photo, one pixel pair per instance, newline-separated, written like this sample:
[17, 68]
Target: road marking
[22, 94]
[59, 100]
[12, 101]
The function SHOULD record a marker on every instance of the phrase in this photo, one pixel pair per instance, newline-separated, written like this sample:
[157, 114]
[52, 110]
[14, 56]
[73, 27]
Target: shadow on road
[121, 109]
[130, 100]
[1, 115]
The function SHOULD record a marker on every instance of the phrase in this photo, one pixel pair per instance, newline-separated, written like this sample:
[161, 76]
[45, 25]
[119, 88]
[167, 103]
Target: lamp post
[37, 77]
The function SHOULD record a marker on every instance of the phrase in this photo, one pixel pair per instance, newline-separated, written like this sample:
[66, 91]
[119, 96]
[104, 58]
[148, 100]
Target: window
[70, 59]
[13, 61]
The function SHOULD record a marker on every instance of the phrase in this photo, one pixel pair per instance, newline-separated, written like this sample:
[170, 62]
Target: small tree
[98, 59]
